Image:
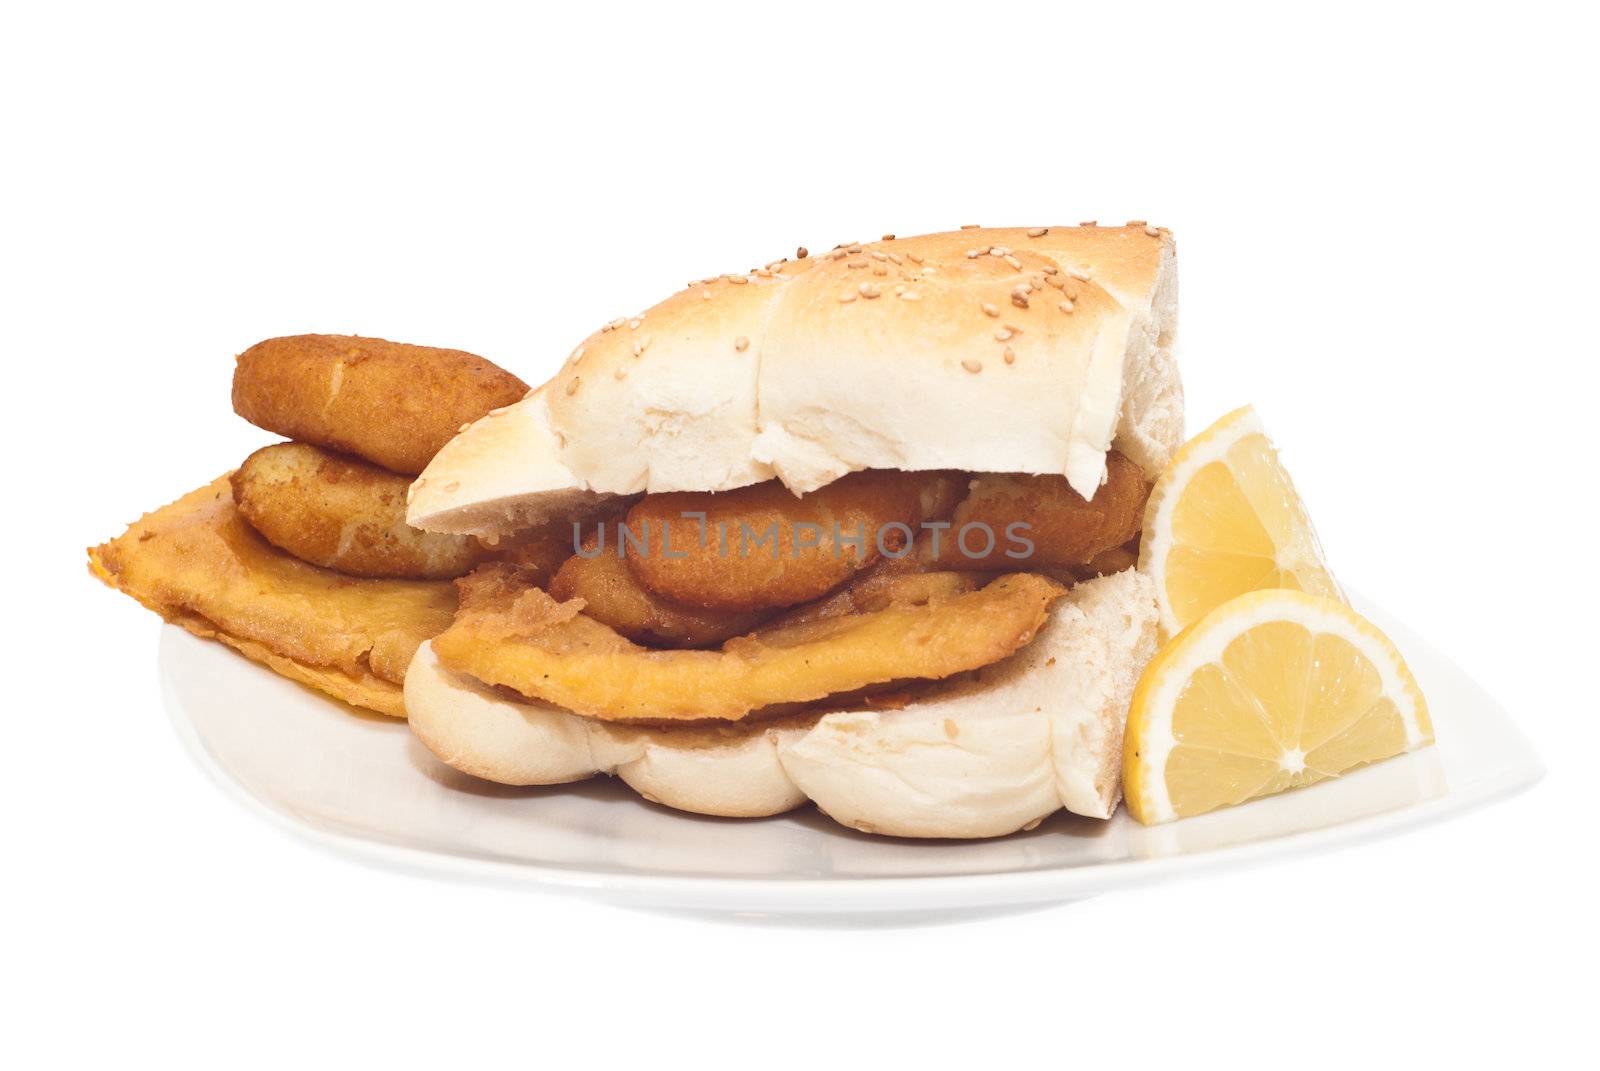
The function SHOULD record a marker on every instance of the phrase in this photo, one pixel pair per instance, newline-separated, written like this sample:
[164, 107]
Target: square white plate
[361, 784]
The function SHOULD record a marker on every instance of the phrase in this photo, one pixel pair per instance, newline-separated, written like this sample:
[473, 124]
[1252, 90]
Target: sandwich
[858, 528]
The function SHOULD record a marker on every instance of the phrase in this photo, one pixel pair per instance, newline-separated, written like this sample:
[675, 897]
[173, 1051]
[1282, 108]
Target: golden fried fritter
[340, 513]
[1065, 529]
[198, 564]
[612, 596]
[763, 548]
[889, 581]
[393, 404]
[515, 636]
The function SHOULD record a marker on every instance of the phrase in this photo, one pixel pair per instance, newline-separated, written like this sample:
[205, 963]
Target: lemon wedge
[1272, 690]
[1224, 519]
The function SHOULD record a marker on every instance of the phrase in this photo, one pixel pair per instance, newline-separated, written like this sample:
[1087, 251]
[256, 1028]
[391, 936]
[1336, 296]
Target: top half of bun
[1032, 350]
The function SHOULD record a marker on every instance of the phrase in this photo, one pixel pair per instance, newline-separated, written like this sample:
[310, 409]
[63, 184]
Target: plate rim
[835, 894]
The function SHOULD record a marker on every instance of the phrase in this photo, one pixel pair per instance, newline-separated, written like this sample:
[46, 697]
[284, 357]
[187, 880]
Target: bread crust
[1036, 354]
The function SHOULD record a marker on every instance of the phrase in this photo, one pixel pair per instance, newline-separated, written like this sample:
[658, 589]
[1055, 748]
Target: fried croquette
[198, 564]
[512, 635]
[1066, 530]
[344, 514]
[613, 596]
[394, 405]
[760, 547]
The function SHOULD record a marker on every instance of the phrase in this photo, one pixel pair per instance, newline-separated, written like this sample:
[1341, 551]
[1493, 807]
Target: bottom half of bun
[981, 757]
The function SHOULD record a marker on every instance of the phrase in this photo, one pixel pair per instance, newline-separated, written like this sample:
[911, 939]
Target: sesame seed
[880, 271]
[848, 296]
[875, 255]
[1056, 281]
[915, 258]
[706, 294]
[738, 280]
[855, 264]
[1154, 232]
[1079, 274]
[972, 366]
[633, 325]
[741, 343]
[801, 253]
[998, 250]
[838, 254]
[1137, 222]
[1013, 261]
[577, 354]
[990, 310]
[854, 247]
[572, 388]
[1038, 232]
[869, 291]
[1003, 335]
[1010, 355]
[1065, 306]
[910, 295]
[1089, 223]
[638, 347]
[970, 226]
[974, 254]
[1050, 269]
[888, 238]
[1022, 288]
[1019, 299]
[893, 258]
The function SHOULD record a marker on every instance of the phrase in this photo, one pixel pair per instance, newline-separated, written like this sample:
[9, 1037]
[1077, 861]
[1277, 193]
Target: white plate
[360, 783]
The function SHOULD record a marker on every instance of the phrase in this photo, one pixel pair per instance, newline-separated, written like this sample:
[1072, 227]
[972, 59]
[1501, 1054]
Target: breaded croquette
[344, 514]
[394, 405]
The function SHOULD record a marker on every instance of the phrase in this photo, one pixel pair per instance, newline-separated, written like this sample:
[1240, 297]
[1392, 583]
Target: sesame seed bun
[1031, 350]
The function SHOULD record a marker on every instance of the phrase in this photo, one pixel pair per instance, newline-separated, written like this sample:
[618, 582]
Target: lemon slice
[1224, 519]
[1273, 690]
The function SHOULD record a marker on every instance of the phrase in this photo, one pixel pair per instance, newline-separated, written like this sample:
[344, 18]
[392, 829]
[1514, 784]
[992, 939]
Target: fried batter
[198, 564]
[519, 637]
[393, 404]
[539, 552]
[760, 547]
[889, 581]
[612, 596]
[1065, 529]
[343, 514]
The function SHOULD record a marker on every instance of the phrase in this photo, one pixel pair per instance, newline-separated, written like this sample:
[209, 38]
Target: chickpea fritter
[343, 514]
[394, 405]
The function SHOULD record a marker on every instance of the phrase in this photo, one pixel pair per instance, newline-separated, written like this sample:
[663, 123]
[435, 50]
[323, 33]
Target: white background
[1386, 224]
